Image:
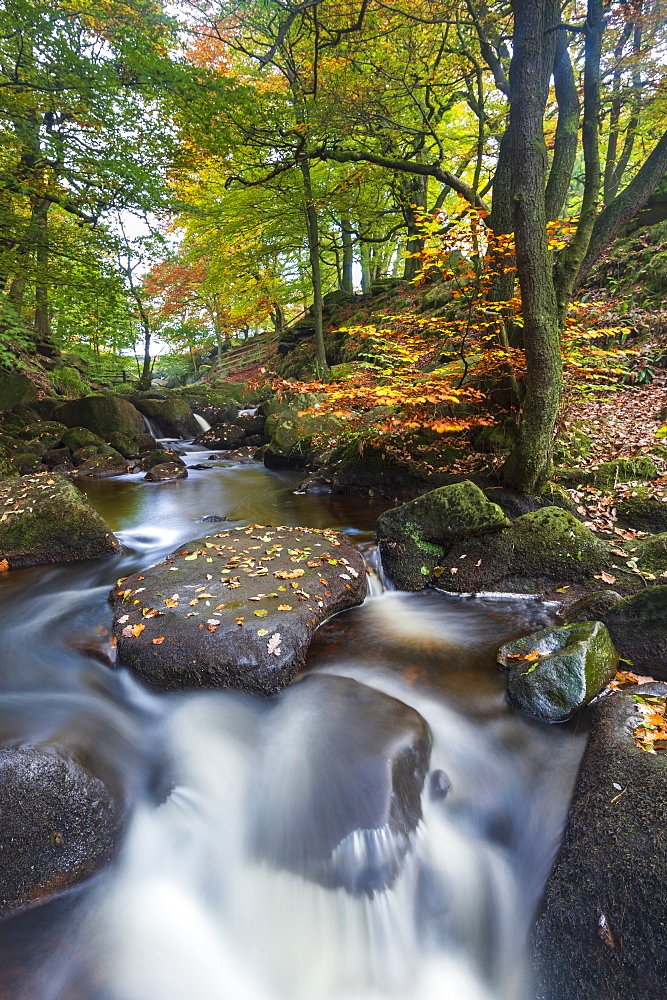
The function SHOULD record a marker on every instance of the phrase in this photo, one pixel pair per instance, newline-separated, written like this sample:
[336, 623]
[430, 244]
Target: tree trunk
[348, 256]
[566, 139]
[414, 194]
[316, 276]
[40, 223]
[528, 465]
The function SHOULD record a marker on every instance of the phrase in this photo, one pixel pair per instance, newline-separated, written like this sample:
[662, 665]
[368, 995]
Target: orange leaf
[156, 642]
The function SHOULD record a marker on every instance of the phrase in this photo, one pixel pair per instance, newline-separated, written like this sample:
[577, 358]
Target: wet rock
[92, 451]
[217, 414]
[650, 554]
[592, 607]
[236, 609]
[145, 442]
[214, 517]
[540, 552]
[414, 538]
[102, 466]
[173, 417]
[601, 933]
[80, 437]
[638, 627]
[251, 423]
[101, 415]
[575, 662]
[58, 824]
[200, 466]
[27, 463]
[127, 446]
[56, 456]
[643, 513]
[48, 520]
[350, 822]
[223, 436]
[169, 470]
[159, 457]
[16, 390]
[291, 431]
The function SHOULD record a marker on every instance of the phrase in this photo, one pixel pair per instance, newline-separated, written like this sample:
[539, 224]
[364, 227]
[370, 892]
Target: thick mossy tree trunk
[527, 467]
[315, 271]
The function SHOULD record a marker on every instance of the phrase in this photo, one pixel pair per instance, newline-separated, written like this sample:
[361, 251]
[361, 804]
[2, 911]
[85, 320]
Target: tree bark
[316, 275]
[348, 256]
[566, 139]
[528, 465]
[39, 222]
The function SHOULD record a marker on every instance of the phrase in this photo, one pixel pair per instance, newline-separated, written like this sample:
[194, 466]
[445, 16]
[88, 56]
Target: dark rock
[56, 457]
[592, 607]
[575, 663]
[439, 785]
[173, 416]
[650, 554]
[145, 442]
[252, 423]
[601, 934]
[200, 466]
[254, 440]
[223, 436]
[291, 431]
[351, 821]
[48, 520]
[214, 517]
[58, 824]
[167, 471]
[128, 447]
[643, 513]
[539, 553]
[102, 466]
[638, 627]
[45, 407]
[16, 390]
[47, 432]
[160, 456]
[217, 414]
[102, 415]
[27, 462]
[269, 647]
[413, 538]
[81, 437]
[94, 451]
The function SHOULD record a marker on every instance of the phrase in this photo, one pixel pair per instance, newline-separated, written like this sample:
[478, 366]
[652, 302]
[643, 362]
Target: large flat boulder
[102, 415]
[601, 933]
[45, 519]
[236, 609]
[58, 824]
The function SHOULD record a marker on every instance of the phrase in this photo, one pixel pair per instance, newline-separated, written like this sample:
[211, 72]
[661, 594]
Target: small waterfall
[204, 424]
[152, 428]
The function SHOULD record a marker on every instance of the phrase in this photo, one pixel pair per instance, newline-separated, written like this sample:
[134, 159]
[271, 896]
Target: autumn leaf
[605, 577]
[273, 645]
[287, 574]
[262, 613]
[121, 621]
[284, 607]
[158, 641]
[4, 565]
[134, 630]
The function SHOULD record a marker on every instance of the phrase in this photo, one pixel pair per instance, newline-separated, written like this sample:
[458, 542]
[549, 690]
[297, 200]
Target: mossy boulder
[600, 934]
[16, 390]
[541, 552]
[102, 415]
[556, 671]
[294, 434]
[252, 423]
[591, 607]
[608, 474]
[47, 520]
[221, 392]
[650, 554]
[166, 471]
[571, 446]
[414, 538]
[58, 825]
[47, 432]
[638, 627]
[80, 437]
[126, 446]
[643, 512]
[173, 417]
[92, 451]
[27, 462]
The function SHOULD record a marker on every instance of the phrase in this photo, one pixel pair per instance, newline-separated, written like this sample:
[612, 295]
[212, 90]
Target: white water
[204, 424]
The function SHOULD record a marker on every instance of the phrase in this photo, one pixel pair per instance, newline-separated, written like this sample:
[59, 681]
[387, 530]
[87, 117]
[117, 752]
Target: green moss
[610, 473]
[651, 554]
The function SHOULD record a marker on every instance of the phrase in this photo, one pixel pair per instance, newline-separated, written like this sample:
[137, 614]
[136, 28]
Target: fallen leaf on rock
[605, 577]
[156, 642]
[170, 602]
[262, 631]
[134, 630]
[262, 613]
[289, 574]
[273, 645]
[240, 621]
[121, 621]
[284, 607]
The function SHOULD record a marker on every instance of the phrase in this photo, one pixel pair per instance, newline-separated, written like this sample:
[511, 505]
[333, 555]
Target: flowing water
[190, 909]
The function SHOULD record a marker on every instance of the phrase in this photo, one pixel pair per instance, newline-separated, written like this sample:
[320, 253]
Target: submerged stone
[47, 520]
[348, 813]
[414, 538]
[556, 671]
[236, 609]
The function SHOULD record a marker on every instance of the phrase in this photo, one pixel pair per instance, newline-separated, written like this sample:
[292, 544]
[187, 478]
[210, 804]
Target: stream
[187, 910]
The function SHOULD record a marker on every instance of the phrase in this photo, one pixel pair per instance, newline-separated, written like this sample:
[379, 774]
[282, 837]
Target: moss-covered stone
[574, 663]
[174, 417]
[48, 432]
[622, 470]
[127, 447]
[592, 607]
[102, 415]
[27, 462]
[638, 627]
[571, 446]
[91, 451]
[48, 520]
[295, 435]
[651, 554]
[159, 456]
[556, 496]
[414, 538]
[497, 438]
[80, 437]
[222, 436]
[220, 392]
[16, 390]
[540, 552]
[642, 512]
